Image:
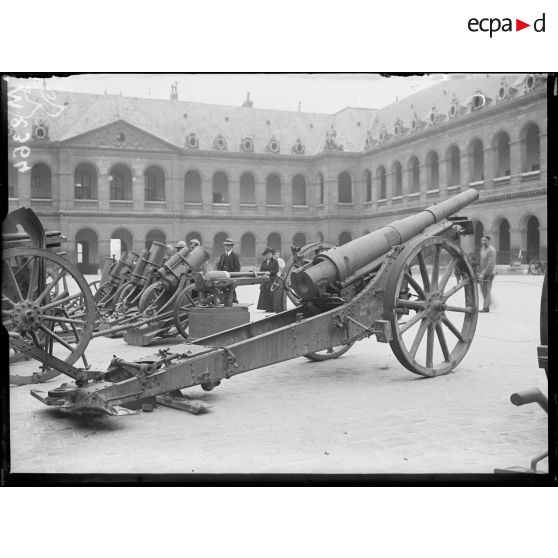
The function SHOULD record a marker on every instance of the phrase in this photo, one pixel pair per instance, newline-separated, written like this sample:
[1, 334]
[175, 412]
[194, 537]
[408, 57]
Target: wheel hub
[27, 315]
[435, 306]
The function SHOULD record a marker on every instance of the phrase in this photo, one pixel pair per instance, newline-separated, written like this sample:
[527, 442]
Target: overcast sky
[322, 93]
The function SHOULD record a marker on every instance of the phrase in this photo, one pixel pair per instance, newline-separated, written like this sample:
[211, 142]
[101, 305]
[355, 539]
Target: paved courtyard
[361, 413]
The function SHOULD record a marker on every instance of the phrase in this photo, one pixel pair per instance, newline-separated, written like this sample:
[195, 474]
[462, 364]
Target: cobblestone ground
[361, 413]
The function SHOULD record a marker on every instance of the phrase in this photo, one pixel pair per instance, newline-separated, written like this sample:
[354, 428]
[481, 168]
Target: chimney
[248, 103]
[174, 91]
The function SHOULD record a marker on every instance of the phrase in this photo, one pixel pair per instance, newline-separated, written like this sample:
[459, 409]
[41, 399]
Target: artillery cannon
[47, 304]
[211, 289]
[143, 274]
[118, 275]
[408, 284]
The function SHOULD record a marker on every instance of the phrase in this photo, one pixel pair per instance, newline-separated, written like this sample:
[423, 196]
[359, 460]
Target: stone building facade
[102, 167]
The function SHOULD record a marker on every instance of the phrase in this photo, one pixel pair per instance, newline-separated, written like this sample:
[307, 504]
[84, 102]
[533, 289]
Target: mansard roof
[351, 129]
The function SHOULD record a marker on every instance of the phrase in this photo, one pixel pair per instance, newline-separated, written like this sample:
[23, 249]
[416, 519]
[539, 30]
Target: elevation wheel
[154, 298]
[431, 301]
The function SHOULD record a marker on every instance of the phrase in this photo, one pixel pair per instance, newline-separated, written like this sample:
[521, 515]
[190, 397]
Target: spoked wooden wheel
[31, 309]
[186, 300]
[332, 352]
[154, 298]
[431, 301]
[305, 255]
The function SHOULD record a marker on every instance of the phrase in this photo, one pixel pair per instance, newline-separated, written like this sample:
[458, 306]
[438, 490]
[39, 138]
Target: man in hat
[229, 261]
[486, 271]
[179, 245]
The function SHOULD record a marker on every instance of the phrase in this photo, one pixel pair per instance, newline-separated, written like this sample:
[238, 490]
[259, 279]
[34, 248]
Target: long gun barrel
[339, 263]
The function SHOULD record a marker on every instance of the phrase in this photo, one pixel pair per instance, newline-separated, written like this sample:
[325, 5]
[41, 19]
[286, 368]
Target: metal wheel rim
[432, 308]
[44, 334]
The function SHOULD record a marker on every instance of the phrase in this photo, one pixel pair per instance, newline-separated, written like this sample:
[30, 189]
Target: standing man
[486, 271]
[229, 261]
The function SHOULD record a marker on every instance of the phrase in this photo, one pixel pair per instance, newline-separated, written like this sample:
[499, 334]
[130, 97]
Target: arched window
[432, 171]
[220, 188]
[345, 237]
[85, 182]
[247, 189]
[299, 239]
[120, 179]
[273, 190]
[154, 184]
[248, 246]
[530, 148]
[274, 241]
[501, 146]
[192, 187]
[454, 161]
[155, 235]
[368, 186]
[345, 187]
[41, 186]
[12, 182]
[121, 242]
[503, 253]
[382, 182]
[476, 158]
[533, 238]
[397, 174]
[87, 251]
[299, 190]
[414, 175]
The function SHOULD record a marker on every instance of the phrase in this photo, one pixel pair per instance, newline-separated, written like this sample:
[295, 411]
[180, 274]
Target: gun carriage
[408, 284]
[47, 305]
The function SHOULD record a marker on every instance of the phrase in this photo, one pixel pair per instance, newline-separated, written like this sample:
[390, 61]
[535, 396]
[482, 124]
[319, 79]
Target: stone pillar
[63, 185]
[518, 242]
[174, 186]
[489, 154]
[331, 194]
[543, 156]
[138, 187]
[287, 196]
[389, 188]
[234, 196]
[312, 195]
[423, 182]
[543, 243]
[260, 193]
[444, 170]
[466, 168]
[24, 188]
[207, 195]
[104, 250]
[103, 188]
[515, 162]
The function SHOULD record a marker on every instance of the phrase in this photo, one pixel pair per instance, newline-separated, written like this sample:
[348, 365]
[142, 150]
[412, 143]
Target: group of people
[271, 292]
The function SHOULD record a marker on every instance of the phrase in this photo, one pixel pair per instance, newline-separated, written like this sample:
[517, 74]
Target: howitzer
[408, 284]
[143, 274]
[118, 275]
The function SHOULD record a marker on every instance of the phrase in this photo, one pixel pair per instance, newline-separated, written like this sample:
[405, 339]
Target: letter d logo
[538, 26]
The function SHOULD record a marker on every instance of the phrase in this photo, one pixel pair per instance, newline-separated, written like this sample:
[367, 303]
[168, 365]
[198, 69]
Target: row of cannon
[51, 313]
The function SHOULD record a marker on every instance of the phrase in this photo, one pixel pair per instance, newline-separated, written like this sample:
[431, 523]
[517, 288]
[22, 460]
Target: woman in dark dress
[265, 302]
